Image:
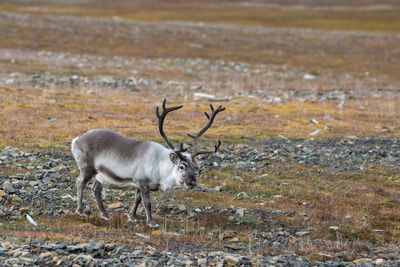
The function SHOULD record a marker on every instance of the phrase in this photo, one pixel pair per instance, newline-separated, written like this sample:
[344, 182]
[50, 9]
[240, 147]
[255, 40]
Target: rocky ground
[264, 81]
[42, 185]
[40, 253]
[297, 181]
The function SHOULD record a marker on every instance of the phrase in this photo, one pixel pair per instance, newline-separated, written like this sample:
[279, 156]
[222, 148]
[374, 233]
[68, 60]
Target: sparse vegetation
[55, 84]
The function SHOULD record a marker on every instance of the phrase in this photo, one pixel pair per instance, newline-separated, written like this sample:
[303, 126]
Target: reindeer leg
[84, 177]
[132, 211]
[145, 193]
[97, 188]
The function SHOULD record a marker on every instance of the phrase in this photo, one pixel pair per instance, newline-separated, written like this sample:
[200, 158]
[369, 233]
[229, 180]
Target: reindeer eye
[182, 167]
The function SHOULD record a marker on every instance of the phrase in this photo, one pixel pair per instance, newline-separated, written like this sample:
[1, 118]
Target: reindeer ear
[174, 158]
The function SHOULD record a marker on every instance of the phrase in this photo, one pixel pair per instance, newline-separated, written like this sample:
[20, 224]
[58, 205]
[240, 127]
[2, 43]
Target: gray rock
[3, 251]
[182, 207]
[334, 95]
[10, 81]
[232, 259]
[196, 87]
[142, 236]
[240, 212]
[8, 187]
[218, 188]
[302, 233]
[94, 245]
[315, 133]
[76, 248]
[308, 76]
[27, 260]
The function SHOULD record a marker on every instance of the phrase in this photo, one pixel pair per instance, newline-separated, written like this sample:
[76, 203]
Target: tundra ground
[308, 165]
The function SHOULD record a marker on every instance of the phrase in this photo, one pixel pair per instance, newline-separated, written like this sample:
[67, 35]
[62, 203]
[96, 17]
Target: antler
[196, 137]
[160, 128]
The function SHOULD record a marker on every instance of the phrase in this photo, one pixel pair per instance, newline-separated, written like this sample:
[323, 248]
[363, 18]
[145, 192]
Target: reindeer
[130, 164]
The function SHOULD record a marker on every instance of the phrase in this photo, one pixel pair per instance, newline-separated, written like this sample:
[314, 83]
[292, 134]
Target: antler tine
[181, 149]
[212, 108]
[161, 119]
[203, 130]
[210, 120]
[216, 147]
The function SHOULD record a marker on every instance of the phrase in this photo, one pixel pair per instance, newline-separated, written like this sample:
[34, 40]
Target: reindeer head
[185, 164]
[185, 173]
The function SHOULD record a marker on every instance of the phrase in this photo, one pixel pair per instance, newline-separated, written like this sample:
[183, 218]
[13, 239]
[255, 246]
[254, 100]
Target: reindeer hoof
[80, 213]
[153, 225]
[132, 219]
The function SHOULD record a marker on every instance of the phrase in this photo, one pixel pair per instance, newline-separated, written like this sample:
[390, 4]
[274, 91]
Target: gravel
[38, 252]
[47, 179]
[341, 154]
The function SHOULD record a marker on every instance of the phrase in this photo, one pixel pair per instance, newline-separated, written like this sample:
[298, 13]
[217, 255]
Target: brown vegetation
[358, 203]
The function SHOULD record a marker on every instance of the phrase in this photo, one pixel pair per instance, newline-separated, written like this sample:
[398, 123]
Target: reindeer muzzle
[191, 182]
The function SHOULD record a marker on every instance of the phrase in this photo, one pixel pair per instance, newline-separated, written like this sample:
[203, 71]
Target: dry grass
[26, 110]
[364, 206]
[358, 203]
[373, 17]
[310, 51]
